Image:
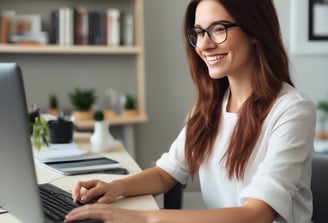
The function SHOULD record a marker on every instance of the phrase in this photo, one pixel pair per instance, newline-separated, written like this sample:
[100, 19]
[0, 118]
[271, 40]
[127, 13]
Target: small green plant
[98, 116]
[323, 106]
[130, 103]
[82, 100]
[53, 101]
[40, 133]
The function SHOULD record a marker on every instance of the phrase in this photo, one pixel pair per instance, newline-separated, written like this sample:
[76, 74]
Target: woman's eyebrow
[214, 22]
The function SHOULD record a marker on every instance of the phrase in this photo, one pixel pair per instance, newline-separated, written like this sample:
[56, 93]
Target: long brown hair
[258, 19]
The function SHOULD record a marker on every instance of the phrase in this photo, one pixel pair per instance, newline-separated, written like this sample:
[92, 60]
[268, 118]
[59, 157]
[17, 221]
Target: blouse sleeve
[173, 162]
[282, 179]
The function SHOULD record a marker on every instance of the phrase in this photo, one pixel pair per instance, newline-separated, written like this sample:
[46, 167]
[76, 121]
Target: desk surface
[118, 153]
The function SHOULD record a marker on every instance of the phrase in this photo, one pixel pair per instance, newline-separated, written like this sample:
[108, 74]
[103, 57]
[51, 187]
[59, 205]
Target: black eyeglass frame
[226, 26]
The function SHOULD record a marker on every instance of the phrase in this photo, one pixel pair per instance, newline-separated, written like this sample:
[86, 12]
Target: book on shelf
[62, 26]
[4, 25]
[95, 28]
[113, 25]
[81, 26]
[29, 38]
[54, 30]
[65, 26]
[110, 27]
[127, 30]
[4, 29]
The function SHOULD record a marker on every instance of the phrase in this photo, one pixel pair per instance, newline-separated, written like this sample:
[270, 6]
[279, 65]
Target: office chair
[173, 197]
[319, 186]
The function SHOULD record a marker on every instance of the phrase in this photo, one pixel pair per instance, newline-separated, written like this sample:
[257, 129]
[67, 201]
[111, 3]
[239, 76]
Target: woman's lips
[215, 58]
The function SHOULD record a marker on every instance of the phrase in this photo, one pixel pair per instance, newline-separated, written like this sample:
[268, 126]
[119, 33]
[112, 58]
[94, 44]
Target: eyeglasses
[217, 32]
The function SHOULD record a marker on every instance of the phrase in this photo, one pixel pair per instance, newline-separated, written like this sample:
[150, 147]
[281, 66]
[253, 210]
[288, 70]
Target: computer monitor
[19, 190]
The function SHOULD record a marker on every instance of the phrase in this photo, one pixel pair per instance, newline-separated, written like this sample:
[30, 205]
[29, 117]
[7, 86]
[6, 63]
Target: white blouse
[279, 169]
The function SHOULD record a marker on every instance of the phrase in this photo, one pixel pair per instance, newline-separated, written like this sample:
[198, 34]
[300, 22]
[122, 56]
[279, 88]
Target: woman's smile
[214, 59]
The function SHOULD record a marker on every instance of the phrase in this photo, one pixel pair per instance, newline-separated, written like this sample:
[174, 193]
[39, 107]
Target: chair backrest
[319, 186]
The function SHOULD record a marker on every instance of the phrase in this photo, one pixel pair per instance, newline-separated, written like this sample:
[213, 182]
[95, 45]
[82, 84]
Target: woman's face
[234, 56]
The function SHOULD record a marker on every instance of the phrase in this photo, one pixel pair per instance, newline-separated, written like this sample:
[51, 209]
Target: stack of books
[23, 29]
[70, 26]
[79, 26]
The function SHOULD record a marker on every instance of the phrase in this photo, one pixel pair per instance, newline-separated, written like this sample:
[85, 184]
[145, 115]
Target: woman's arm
[253, 211]
[150, 181]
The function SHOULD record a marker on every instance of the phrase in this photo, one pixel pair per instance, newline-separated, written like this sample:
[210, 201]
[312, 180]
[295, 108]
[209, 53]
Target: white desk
[118, 153]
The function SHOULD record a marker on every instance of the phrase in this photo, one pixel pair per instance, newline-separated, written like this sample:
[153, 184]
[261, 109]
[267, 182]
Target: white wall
[310, 73]
[169, 90]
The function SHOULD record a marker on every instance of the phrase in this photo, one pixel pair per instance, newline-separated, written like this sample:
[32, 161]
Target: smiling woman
[249, 134]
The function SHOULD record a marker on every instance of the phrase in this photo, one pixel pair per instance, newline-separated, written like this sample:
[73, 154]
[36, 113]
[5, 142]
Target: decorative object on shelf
[112, 100]
[26, 29]
[101, 140]
[82, 100]
[130, 106]
[53, 105]
[322, 132]
[61, 130]
[40, 133]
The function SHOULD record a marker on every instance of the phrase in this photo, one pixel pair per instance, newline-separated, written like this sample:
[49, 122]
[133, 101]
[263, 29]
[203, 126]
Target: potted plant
[101, 140]
[53, 105]
[130, 106]
[40, 133]
[82, 101]
[322, 132]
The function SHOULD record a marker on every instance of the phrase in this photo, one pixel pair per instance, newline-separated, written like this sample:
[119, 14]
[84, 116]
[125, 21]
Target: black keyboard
[56, 202]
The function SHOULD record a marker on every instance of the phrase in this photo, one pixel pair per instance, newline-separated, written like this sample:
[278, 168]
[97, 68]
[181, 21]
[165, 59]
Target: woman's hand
[95, 191]
[106, 213]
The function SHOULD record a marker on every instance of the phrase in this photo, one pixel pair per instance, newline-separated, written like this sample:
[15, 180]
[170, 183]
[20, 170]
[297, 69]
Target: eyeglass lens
[216, 32]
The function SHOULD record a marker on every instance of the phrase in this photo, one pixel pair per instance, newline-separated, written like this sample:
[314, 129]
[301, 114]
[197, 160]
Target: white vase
[101, 140]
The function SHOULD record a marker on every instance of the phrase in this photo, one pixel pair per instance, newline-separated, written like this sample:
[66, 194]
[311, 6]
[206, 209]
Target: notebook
[20, 193]
[68, 159]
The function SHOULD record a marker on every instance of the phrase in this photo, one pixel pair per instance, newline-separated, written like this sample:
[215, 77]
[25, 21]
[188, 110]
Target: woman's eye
[218, 28]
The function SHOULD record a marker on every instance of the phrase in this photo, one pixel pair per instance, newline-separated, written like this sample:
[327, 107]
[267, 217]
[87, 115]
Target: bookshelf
[125, 53]
[44, 8]
[55, 49]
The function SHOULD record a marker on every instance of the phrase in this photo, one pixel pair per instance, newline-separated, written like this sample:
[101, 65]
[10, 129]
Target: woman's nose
[204, 42]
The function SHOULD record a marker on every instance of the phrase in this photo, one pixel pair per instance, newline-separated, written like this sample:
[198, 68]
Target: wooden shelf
[118, 120]
[136, 51]
[55, 49]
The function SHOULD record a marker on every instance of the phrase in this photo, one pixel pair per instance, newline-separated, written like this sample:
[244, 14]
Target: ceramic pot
[101, 140]
[61, 131]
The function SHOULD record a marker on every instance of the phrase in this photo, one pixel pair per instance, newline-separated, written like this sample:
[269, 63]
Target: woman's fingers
[106, 213]
[91, 191]
[94, 211]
